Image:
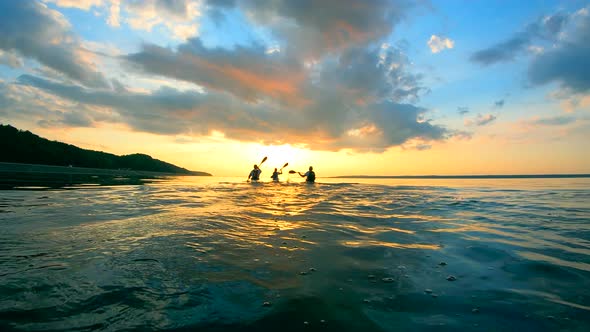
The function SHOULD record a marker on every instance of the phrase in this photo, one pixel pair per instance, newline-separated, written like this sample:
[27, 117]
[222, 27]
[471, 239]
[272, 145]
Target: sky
[373, 87]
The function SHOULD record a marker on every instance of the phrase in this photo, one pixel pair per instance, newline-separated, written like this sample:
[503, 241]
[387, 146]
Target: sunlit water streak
[207, 253]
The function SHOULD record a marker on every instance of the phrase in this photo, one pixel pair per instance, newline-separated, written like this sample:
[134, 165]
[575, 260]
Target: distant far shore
[516, 176]
[50, 169]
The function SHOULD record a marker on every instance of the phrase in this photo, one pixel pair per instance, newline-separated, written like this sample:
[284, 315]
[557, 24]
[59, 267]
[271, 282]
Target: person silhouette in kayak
[255, 174]
[275, 175]
[309, 175]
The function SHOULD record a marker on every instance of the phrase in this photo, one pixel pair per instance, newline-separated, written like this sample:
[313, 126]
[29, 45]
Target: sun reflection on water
[208, 246]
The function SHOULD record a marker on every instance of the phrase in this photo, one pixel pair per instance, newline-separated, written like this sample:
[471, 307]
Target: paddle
[292, 172]
[286, 164]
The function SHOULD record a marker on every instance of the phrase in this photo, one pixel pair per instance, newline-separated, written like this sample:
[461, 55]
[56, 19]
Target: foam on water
[216, 254]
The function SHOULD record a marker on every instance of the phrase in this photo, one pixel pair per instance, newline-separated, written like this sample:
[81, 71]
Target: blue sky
[396, 80]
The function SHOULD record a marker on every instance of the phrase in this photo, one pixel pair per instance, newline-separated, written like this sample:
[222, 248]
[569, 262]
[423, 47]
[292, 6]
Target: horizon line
[477, 176]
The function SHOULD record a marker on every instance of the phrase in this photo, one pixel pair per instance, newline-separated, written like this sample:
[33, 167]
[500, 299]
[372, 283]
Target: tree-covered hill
[17, 146]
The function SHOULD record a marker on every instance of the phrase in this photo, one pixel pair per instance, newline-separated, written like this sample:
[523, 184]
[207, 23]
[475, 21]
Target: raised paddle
[263, 160]
[286, 164]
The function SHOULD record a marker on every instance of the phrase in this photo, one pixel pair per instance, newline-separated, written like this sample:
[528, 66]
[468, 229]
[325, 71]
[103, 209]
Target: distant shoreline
[515, 176]
[50, 169]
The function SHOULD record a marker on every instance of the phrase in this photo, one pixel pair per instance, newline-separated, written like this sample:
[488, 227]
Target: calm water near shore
[215, 254]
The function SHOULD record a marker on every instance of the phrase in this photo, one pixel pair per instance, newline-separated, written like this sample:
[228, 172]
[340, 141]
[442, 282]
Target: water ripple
[208, 255]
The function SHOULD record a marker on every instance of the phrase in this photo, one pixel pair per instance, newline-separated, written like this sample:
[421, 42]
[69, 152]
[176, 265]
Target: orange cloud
[248, 73]
[342, 33]
[279, 84]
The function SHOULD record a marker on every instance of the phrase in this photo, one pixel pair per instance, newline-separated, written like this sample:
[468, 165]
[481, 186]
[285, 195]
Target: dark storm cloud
[32, 30]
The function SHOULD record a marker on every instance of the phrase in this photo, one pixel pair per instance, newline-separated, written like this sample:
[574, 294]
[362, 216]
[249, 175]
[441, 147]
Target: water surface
[214, 254]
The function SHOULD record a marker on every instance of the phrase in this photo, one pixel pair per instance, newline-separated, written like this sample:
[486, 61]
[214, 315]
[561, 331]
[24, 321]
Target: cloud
[355, 100]
[178, 16]
[560, 120]
[568, 63]
[504, 51]
[565, 60]
[326, 124]
[461, 135]
[80, 4]
[32, 30]
[10, 59]
[416, 145]
[26, 103]
[246, 72]
[114, 18]
[546, 28]
[438, 44]
[480, 120]
[463, 110]
[423, 147]
[315, 28]
[499, 103]
[251, 73]
[366, 75]
[221, 3]
[67, 119]
[574, 102]
[338, 89]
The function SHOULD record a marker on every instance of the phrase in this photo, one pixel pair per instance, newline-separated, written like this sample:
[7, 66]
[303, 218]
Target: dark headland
[24, 153]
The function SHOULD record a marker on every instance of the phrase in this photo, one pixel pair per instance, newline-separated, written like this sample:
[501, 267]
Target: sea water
[216, 254]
